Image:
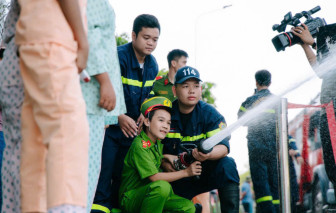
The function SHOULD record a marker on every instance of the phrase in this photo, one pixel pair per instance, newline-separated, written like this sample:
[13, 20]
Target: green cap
[155, 103]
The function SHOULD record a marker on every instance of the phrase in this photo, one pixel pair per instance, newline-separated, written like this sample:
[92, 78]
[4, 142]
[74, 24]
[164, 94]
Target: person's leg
[273, 181]
[204, 200]
[117, 174]
[50, 77]
[328, 155]
[96, 127]
[33, 167]
[226, 179]
[293, 186]
[2, 146]
[102, 198]
[177, 204]
[261, 187]
[149, 198]
[11, 93]
[246, 207]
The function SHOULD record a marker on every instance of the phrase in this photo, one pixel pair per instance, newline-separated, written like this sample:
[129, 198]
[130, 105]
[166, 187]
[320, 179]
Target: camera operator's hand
[200, 156]
[304, 34]
[194, 169]
[307, 39]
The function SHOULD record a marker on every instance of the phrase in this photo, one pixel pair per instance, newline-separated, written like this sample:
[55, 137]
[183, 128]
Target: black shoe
[198, 207]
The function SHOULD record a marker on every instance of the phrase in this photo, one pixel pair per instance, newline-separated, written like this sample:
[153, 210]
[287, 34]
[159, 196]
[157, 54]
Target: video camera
[288, 39]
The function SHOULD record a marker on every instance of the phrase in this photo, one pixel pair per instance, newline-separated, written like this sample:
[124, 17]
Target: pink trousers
[55, 134]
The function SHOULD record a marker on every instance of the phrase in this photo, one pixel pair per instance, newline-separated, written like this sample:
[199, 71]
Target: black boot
[229, 198]
[198, 207]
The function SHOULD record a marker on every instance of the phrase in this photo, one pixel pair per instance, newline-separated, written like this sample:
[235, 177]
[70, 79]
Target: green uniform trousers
[156, 197]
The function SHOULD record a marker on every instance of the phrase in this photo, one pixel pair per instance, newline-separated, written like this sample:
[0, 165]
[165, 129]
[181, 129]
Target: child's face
[146, 41]
[159, 126]
[189, 92]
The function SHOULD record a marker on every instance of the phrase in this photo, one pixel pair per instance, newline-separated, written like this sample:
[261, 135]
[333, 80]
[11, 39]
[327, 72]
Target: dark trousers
[222, 175]
[264, 174]
[328, 155]
[115, 148]
[294, 188]
[247, 207]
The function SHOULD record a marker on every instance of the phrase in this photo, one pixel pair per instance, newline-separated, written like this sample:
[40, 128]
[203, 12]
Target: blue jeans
[2, 146]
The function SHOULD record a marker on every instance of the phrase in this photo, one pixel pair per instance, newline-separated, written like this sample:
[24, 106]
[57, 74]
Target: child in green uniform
[144, 187]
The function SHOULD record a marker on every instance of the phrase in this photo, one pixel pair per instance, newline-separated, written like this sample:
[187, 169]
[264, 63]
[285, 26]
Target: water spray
[321, 70]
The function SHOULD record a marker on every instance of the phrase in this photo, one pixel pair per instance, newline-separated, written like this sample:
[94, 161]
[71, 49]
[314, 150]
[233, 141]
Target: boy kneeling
[144, 187]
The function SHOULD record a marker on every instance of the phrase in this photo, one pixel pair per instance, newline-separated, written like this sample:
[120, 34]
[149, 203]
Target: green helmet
[155, 103]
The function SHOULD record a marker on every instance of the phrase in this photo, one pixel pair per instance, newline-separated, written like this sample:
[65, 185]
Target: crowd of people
[117, 143]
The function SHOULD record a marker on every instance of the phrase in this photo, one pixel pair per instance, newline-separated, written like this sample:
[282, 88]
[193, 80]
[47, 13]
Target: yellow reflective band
[152, 92]
[277, 202]
[100, 208]
[149, 83]
[264, 199]
[243, 109]
[211, 133]
[136, 82]
[270, 110]
[174, 135]
[186, 138]
[131, 82]
[193, 138]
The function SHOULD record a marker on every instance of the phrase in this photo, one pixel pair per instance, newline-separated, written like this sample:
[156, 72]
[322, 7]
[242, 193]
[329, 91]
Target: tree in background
[122, 39]
[207, 95]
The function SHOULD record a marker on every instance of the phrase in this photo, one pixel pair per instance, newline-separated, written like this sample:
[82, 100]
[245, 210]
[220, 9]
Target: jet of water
[321, 70]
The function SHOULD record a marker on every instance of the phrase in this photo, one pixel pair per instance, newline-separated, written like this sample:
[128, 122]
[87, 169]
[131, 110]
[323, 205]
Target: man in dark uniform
[138, 71]
[194, 120]
[262, 147]
[164, 84]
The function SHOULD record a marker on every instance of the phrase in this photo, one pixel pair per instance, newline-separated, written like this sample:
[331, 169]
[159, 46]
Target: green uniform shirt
[163, 87]
[143, 159]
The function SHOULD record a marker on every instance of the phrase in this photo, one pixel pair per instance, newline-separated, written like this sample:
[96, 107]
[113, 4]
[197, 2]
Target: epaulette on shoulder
[158, 77]
[146, 144]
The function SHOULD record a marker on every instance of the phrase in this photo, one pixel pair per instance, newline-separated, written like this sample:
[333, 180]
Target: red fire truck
[315, 189]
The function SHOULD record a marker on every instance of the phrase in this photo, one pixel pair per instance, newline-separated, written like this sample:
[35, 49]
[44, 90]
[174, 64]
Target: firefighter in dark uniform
[261, 139]
[164, 84]
[192, 121]
[138, 71]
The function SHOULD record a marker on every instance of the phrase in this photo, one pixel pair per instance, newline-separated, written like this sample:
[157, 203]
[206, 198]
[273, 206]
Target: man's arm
[218, 152]
[73, 15]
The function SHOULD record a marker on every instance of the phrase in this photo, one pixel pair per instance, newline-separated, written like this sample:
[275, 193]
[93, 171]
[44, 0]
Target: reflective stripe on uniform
[152, 93]
[242, 109]
[270, 111]
[136, 83]
[291, 140]
[149, 83]
[211, 133]
[186, 138]
[192, 138]
[264, 199]
[100, 208]
[276, 202]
